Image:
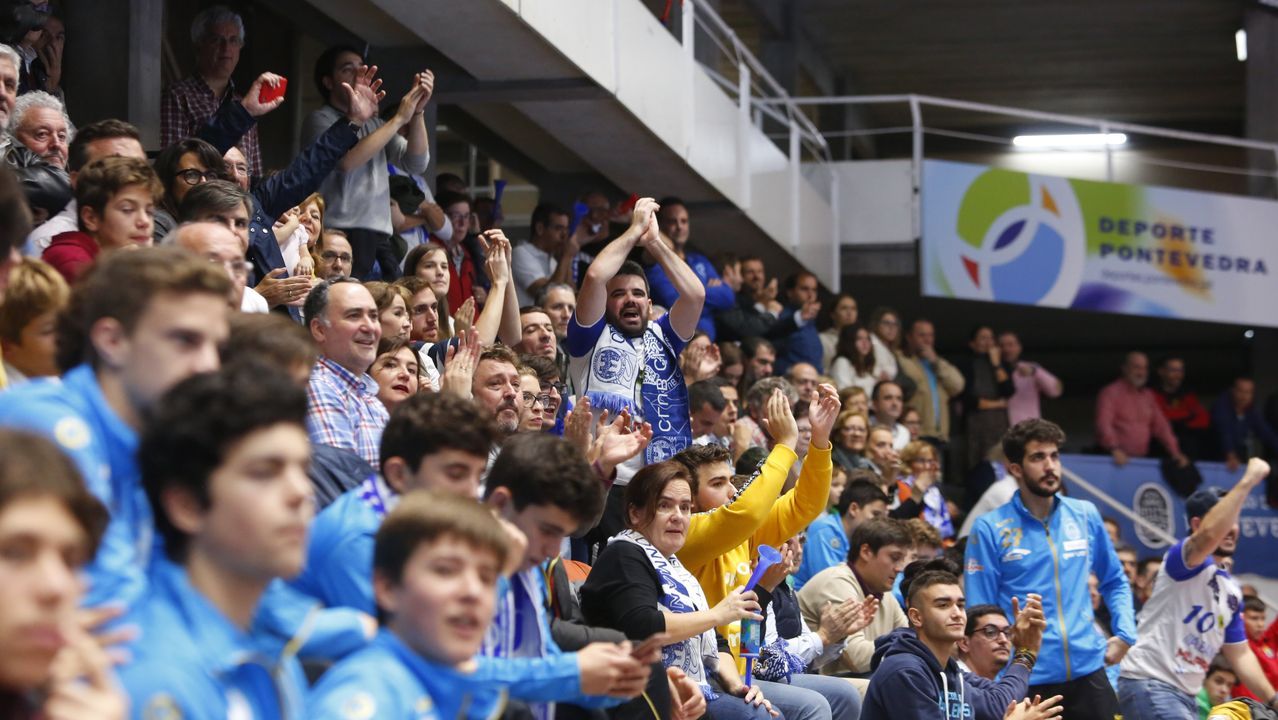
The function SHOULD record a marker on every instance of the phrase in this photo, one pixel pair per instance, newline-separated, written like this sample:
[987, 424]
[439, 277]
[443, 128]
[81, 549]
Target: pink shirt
[1024, 403]
[1127, 417]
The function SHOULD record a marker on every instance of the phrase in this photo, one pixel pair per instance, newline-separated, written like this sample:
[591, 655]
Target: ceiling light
[1240, 45]
[1075, 141]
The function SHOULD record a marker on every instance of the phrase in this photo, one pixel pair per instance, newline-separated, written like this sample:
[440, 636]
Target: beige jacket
[836, 584]
[949, 382]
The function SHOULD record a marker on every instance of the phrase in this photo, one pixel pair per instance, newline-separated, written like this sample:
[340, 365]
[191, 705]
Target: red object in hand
[628, 205]
[271, 93]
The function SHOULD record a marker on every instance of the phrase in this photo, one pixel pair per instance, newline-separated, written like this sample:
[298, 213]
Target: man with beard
[1044, 543]
[497, 389]
[620, 359]
[1194, 611]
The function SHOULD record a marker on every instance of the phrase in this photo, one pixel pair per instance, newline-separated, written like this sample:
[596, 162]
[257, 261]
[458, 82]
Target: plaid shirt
[344, 412]
[189, 104]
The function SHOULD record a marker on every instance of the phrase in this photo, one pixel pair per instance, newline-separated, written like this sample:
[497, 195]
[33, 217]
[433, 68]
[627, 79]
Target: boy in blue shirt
[436, 564]
[223, 460]
[827, 543]
[543, 486]
[432, 442]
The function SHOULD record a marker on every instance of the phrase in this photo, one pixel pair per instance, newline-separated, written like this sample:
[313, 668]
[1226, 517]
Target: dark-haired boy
[1263, 641]
[358, 191]
[436, 565]
[916, 674]
[827, 545]
[137, 324]
[224, 462]
[879, 550]
[432, 442]
[543, 486]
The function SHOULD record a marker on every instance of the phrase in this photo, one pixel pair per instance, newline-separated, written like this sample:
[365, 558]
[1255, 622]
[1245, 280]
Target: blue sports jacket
[388, 680]
[339, 558]
[827, 546]
[1011, 553]
[192, 662]
[74, 414]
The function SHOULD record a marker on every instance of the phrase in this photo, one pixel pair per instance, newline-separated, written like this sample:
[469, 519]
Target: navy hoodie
[908, 682]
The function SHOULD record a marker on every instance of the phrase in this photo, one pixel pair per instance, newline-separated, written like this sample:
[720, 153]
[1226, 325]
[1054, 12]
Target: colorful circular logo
[1021, 239]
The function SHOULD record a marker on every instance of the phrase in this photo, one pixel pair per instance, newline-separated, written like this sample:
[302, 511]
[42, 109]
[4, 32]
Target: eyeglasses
[558, 387]
[530, 400]
[331, 255]
[195, 177]
[238, 169]
[992, 631]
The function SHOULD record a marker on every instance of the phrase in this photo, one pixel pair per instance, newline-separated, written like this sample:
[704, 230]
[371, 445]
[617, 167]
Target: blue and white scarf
[642, 374]
[680, 593]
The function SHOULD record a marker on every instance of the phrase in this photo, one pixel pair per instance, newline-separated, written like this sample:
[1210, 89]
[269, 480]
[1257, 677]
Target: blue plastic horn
[768, 556]
[579, 211]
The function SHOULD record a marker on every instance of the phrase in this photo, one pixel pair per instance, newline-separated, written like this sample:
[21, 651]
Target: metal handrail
[712, 23]
[1112, 126]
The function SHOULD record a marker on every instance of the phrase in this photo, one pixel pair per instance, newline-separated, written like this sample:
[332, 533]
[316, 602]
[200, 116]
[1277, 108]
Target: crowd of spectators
[326, 443]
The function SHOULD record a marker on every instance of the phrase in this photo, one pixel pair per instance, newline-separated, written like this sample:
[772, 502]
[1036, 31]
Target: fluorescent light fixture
[1240, 45]
[1074, 141]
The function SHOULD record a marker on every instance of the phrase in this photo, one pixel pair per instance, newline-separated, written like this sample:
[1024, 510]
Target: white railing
[761, 99]
[919, 130]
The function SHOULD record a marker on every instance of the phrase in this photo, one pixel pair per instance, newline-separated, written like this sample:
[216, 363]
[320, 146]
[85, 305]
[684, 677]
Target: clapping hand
[823, 413]
[361, 97]
[459, 365]
[1027, 631]
[1036, 709]
[779, 421]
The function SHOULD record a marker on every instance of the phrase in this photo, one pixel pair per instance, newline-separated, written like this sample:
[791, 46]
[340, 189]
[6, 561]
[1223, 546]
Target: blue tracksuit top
[193, 662]
[1011, 552]
[74, 414]
[339, 558]
[388, 680]
[826, 547]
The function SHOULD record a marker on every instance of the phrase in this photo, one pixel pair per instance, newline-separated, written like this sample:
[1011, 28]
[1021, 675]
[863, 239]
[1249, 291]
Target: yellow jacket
[722, 542]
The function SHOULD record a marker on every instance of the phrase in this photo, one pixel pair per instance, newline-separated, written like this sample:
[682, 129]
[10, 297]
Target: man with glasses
[335, 256]
[218, 36]
[987, 642]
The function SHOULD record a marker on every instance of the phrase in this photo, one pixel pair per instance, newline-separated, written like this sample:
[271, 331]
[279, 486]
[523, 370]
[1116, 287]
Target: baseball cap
[1202, 501]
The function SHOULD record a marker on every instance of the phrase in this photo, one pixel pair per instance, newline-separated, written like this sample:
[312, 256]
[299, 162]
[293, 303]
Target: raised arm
[371, 144]
[593, 298]
[494, 242]
[492, 317]
[1220, 519]
[686, 311]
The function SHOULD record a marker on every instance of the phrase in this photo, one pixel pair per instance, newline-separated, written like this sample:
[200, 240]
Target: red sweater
[1264, 648]
[71, 253]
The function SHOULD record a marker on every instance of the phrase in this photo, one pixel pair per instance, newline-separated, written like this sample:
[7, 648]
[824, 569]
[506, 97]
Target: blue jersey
[827, 546]
[339, 557]
[75, 415]
[520, 652]
[192, 662]
[388, 680]
[1012, 553]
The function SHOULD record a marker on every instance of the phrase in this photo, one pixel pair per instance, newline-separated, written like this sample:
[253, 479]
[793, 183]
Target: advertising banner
[1011, 237]
[1139, 486]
